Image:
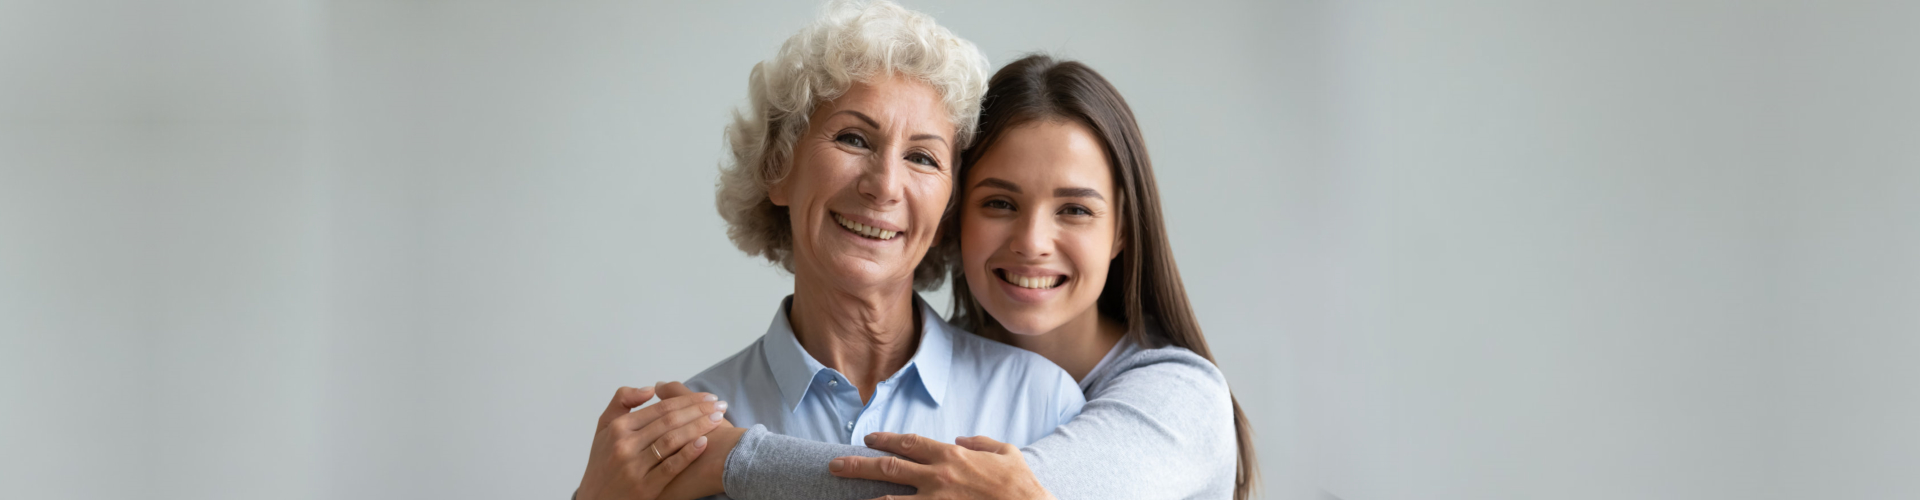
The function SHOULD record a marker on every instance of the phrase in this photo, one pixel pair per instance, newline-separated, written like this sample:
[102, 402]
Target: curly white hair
[852, 41]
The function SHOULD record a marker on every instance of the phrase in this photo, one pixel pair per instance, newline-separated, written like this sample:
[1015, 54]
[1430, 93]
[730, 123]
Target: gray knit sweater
[1158, 424]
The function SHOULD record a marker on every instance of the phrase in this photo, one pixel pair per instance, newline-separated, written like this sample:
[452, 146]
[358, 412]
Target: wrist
[706, 475]
[720, 444]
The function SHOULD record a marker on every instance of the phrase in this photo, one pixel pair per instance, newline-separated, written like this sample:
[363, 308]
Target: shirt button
[849, 425]
[833, 383]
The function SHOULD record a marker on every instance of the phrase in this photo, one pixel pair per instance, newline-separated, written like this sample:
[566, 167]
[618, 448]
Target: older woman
[842, 171]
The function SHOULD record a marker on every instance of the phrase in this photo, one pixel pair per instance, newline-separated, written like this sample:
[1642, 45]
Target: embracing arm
[749, 464]
[1162, 428]
[768, 466]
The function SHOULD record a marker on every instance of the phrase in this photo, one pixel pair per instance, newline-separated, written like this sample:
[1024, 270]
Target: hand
[636, 453]
[705, 477]
[978, 467]
[670, 390]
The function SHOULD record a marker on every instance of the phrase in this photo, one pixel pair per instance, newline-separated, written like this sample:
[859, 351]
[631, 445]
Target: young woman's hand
[978, 467]
[636, 454]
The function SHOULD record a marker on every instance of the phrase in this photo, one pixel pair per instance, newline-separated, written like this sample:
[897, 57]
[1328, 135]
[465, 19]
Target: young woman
[1062, 251]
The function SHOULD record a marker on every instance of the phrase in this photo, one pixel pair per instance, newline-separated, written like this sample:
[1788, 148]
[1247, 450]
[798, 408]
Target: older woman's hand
[636, 454]
[979, 467]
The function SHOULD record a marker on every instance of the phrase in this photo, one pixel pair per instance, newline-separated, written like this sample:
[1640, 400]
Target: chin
[863, 273]
[1026, 325]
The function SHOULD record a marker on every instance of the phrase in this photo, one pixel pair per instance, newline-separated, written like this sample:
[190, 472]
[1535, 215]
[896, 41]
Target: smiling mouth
[1034, 282]
[866, 231]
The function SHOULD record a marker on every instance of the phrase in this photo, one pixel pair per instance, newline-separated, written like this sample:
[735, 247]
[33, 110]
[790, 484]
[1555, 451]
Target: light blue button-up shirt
[957, 384]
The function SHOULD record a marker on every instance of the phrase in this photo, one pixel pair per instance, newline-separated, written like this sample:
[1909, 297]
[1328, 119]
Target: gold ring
[656, 453]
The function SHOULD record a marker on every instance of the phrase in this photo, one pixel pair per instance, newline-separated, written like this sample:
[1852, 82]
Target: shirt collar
[794, 369]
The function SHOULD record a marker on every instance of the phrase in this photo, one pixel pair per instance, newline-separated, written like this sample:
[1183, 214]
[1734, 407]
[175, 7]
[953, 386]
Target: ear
[1119, 240]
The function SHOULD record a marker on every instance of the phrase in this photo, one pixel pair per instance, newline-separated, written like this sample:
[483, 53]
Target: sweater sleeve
[1161, 428]
[768, 466]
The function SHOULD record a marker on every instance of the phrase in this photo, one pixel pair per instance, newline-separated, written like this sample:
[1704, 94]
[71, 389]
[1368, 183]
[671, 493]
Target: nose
[1033, 236]
[882, 184]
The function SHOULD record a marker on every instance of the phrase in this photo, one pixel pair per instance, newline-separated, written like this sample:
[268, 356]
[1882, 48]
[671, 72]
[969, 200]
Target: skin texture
[880, 155]
[1040, 203]
[622, 462]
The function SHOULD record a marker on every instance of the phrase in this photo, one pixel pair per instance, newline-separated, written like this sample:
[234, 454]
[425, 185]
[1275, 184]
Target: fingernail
[658, 384]
[869, 440]
[835, 465]
[715, 416]
[647, 388]
[711, 397]
[700, 442]
[720, 406]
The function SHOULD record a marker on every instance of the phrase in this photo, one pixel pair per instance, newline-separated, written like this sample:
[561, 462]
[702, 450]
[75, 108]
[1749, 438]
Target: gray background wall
[1446, 250]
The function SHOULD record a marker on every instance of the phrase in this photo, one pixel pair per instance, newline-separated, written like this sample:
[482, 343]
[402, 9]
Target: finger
[677, 437]
[673, 389]
[640, 440]
[624, 400]
[657, 479]
[640, 418]
[986, 444]
[890, 469]
[676, 389]
[913, 446]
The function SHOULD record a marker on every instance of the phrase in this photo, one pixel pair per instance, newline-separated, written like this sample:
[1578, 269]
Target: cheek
[930, 201]
[1089, 254]
[978, 239]
[822, 174]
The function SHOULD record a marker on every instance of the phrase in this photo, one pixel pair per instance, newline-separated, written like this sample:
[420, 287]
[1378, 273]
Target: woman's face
[1038, 226]
[870, 180]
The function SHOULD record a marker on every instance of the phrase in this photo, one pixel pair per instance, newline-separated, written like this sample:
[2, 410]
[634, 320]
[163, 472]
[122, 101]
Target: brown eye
[852, 139]
[996, 204]
[923, 160]
[1075, 210]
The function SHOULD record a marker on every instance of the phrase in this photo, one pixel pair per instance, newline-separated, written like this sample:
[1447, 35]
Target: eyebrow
[875, 124]
[1066, 192]
[999, 183]
[1078, 193]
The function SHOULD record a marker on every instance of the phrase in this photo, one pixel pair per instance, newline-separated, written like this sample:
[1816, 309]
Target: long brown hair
[1143, 287]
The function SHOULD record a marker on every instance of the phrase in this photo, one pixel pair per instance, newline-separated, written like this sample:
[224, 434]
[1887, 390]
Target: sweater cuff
[740, 460]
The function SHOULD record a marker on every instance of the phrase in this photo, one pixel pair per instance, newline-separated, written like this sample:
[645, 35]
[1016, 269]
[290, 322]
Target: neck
[867, 336]
[1078, 345]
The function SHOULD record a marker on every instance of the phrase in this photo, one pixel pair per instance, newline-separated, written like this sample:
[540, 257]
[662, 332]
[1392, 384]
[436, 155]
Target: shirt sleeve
[1068, 402]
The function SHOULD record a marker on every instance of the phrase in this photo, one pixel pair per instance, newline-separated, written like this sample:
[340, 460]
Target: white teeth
[863, 229]
[1034, 282]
